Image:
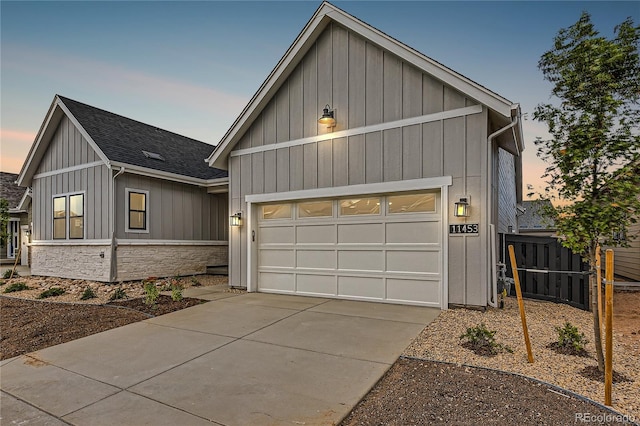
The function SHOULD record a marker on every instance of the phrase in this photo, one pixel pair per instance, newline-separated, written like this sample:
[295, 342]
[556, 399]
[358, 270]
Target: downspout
[113, 272]
[492, 300]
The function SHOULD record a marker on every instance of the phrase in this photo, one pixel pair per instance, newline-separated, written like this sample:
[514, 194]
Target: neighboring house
[626, 260]
[18, 228]
[532, 222]
[364, 209]
[115, 199]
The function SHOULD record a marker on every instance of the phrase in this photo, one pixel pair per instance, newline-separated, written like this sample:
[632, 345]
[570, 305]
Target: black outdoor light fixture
[462, 207]
[327, 117]
[236, 219]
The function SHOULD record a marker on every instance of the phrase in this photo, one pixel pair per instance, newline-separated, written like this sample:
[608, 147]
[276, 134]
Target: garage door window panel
[360, 206]
[315, 209]
[276, 211]
[411, 203]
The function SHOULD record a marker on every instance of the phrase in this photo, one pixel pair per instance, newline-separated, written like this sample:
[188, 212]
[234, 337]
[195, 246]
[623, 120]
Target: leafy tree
[594, 152]
[4, 221]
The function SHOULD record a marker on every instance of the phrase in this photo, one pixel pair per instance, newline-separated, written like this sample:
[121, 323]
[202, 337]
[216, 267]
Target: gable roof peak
[325, 15]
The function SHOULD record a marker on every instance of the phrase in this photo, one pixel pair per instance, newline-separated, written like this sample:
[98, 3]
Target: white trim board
[77, 242]
[345, 191]
[428, 118]
[69, 169]
[150, 242]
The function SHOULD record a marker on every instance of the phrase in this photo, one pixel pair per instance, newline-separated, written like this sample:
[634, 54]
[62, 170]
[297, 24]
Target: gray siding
[367, 86]
[67, 148]
[176, 211]
[626, 260]
[93, 181]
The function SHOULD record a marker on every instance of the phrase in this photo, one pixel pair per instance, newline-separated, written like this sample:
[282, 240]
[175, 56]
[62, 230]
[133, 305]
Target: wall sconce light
[236, 219]
[327, 117]
[462, 207]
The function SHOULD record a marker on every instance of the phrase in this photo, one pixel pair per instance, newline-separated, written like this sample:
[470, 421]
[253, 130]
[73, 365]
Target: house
[626, 260]
[115, 199]
[362, 169]
[532, 221]
[18, 228]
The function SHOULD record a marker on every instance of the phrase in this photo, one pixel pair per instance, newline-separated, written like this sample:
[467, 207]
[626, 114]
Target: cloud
[17, 135]
[15, 146]
[108, 78]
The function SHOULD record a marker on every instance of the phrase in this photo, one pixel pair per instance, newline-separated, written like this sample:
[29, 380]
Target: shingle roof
[125, 140]
[9, 190]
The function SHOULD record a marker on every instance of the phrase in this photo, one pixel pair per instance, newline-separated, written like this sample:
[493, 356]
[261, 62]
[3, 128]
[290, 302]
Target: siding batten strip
[455, 113]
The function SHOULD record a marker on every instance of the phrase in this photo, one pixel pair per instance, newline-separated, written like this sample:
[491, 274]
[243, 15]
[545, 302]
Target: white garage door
[373, 247]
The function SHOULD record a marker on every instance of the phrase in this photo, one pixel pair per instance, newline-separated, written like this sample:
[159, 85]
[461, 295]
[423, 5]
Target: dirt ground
[626, 318]
[417, 392]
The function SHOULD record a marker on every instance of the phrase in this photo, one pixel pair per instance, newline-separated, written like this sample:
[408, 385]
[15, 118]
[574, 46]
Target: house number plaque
[464, 228]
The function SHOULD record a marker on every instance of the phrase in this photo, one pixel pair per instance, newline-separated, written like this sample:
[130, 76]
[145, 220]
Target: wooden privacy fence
[546, 253]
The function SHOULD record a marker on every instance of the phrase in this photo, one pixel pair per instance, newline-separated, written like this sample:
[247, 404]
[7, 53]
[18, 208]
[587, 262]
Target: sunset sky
[191, 67]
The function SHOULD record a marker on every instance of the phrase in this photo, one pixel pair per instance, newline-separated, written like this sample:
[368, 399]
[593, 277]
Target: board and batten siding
[366, 85]
[626, 260]
[68, 148]
[176, 211]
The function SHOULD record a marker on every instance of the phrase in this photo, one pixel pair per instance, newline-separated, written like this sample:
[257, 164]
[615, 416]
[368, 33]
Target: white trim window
[68, 216]
[136, 215]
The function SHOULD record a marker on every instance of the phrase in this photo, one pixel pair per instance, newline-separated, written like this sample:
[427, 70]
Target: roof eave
[159, 174]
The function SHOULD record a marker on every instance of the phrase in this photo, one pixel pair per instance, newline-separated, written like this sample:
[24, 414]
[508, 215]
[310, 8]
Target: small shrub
[2, 282]
[7, 273]
[570, 338]
[88, 294]
[52, 292]
[118, 294]
[151, 292]
[195, 282]
[16, 287]
[176, 292]
[482, 341]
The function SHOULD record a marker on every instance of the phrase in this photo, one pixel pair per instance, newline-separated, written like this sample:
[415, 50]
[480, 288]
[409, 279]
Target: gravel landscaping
[437, 381]
[440, 342]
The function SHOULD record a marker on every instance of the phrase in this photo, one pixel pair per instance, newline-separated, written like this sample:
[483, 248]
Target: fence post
[608, 357]
[599, 281]
[516, 278]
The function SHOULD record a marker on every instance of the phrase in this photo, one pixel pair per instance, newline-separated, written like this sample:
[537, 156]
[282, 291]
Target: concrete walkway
[242, 359]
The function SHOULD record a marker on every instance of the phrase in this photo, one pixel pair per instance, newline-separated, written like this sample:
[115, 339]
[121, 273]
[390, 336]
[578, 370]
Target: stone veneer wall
[72, 261]
[136, 262]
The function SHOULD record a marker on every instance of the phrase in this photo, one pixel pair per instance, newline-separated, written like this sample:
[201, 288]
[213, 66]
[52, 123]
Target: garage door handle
[253, 236]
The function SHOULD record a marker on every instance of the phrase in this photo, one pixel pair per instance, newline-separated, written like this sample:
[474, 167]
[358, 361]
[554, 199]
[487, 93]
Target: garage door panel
[413, 232]
[277, 235]
[278, 258]
[425, 291]
[413, 261]
[277, 281]
[365, 287]
[361, 260]
[318, 259]
[316, 234]
[317, 284]
[387, 256]
[361, 233]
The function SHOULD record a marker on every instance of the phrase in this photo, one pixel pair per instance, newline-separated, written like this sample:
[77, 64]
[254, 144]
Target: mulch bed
[30, 325]
[417, 392]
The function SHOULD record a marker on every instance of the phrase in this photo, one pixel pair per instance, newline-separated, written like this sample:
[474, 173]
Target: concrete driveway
[241, 359]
